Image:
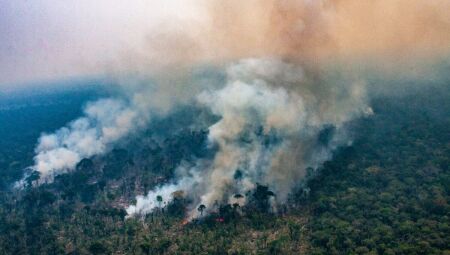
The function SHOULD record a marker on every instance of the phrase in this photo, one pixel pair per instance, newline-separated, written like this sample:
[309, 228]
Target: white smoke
[146, 204]
[105, 122]
[270, 111]
[270, 119]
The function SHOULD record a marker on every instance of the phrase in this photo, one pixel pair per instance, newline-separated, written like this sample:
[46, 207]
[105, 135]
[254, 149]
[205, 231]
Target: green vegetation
[387, 193]
[24, 115]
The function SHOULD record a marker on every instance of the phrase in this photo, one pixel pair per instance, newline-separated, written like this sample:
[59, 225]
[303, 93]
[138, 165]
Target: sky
[43, 40]
[53, 39]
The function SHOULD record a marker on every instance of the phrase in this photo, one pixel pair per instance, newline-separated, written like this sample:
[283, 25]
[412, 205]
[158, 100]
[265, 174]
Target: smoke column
[279, 95]
[270, 119]
[104, 122]
[306, 31]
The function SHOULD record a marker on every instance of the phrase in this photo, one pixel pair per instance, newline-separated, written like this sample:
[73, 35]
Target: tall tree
[201, 208]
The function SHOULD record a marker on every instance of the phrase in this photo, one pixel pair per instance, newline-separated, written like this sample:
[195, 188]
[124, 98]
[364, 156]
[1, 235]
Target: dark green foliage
[98, 248]
[387, 193]
[260, 198]
[24, 115]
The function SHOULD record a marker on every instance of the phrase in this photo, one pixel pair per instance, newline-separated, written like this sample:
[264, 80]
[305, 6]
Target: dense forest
[386, 193]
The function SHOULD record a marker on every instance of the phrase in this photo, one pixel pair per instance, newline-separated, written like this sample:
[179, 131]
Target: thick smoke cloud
[281, 90]
[108, 121]
[104, 123]
[306, 31]
[270, 120]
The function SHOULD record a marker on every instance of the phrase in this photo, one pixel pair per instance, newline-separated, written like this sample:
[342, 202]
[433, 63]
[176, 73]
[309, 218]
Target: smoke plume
[282, 92]
[105, 122]
[270, 120]
[306, 31]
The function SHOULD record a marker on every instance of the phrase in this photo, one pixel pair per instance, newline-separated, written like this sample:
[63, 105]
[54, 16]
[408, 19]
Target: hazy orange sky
[51, 39]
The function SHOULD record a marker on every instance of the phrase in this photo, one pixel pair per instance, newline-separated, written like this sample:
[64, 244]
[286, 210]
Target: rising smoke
[278, 97]
[105, 122]
[270, 120]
